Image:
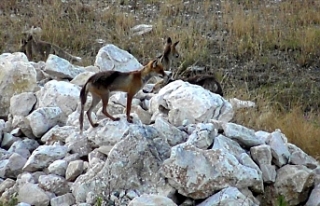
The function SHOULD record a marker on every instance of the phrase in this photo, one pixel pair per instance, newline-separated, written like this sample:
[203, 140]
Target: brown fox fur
[32, 47]
[169, 53]
[101, 84]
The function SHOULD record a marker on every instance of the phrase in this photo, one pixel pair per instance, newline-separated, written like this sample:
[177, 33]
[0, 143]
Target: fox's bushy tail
[83, 100]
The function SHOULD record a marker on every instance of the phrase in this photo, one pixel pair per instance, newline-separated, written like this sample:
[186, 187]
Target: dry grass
[216, 34]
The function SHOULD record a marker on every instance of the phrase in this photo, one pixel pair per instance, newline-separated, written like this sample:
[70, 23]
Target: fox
[32, 47]
[169, 53]
[102, 83]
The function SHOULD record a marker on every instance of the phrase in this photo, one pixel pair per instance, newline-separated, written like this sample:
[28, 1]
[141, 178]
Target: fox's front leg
[129, 101]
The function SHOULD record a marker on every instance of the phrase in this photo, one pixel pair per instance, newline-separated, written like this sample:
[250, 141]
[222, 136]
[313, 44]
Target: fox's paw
[116, 118]
[95, 125]
[129, 119]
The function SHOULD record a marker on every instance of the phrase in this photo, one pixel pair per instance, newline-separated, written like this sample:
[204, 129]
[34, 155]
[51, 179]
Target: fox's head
[155, 67]
[170, 49]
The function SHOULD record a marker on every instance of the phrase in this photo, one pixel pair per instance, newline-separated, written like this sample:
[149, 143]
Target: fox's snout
[177, 55]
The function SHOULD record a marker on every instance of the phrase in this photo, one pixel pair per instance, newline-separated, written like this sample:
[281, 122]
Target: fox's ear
[169, 41]
[154, 63]
[175, 44]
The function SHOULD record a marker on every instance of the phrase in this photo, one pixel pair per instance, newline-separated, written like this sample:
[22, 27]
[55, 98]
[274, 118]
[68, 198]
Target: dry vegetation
[265, 51]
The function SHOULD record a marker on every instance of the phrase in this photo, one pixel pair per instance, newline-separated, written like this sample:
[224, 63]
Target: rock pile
[181, 149]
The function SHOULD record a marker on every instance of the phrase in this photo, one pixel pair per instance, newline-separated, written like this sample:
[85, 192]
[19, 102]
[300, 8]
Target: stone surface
[200, 173]
[151, 200]
[294, 190]
[17, 75]
[111, 57]
[39, 197]
[43, 156]
[27, 98]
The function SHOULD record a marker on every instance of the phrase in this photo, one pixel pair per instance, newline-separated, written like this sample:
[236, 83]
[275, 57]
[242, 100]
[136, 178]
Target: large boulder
[198, 173]
[17, 75]
[183, 101]
[111, 57]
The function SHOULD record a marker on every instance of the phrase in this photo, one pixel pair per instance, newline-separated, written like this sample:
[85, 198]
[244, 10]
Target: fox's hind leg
[95, 101]
[105, 100]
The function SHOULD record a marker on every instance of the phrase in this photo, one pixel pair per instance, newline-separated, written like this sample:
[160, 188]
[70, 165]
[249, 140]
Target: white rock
[110, 57]
[58, 134]
[244, 136]
[228, 145]
[203, 135]
[7, 140]
[229, 196]
[261, 154]
[299, 157]
[114, 129]
[27, 98]
[133, 162]
[60, 94]
[279, 149]
[54, 183]
[193, 101]
[43, 156]
[7, 183]
[151, 200]
[199, 173]
[82, 78]
[12, 167]
[20, 147]
[268, 173]
[17, 75]
[63, 200]
[58, 167]
[39, 197]
[74, 169]
[314, 199]
[23, 124]
[61, 68]
[172, 134]
[294, 182]
[141, 29]
[238, 104]
[43, 119]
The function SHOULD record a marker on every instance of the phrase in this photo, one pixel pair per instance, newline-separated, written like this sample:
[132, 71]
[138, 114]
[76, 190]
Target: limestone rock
[43, 156]
[229, 196]
[199, 173]
[58, 167]
[66, 199]
[39, 197]
[244, 136]
[74, 169]
[43, 119]
[110, 57]
[54, 183]
[12, 167]
[203, 135]
[279, 149]
[60, 94]
[58, 67]
[172, 134]
[17, 75]
[17, 108]
[193, 101]
[151, 200]
[261, 154]
[294, 182]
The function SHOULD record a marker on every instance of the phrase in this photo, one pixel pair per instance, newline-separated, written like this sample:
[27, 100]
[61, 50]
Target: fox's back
[112, 81]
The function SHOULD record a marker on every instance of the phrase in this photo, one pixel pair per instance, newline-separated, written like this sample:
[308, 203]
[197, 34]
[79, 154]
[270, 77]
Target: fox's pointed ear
[169, 41]
[159, 57]
[154, 63]
[175, 44]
